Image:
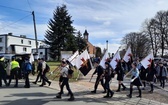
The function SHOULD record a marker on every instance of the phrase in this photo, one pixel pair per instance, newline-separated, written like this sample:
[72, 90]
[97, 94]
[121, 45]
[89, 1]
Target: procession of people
[141, 74]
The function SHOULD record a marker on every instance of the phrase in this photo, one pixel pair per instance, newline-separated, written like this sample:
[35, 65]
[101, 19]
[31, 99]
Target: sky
[104, 19]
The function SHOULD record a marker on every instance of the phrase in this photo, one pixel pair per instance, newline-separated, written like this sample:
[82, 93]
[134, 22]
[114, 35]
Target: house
[12, 44]
[91, 48]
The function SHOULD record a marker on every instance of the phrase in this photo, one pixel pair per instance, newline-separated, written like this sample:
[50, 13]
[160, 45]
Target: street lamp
[106, 44]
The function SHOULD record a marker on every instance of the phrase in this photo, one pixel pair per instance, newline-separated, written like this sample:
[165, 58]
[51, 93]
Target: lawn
[54, 72]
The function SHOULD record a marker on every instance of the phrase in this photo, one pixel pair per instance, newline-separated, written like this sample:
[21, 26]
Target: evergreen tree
[60, 33]
[81, 42]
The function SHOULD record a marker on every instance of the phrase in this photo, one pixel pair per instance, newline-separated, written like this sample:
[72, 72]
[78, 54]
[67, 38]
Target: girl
[135, 80]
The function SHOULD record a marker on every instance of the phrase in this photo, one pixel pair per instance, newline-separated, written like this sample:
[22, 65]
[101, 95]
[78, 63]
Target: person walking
[65, 81]
[100, 72]
[135, 80]
[39, 70]
[162, 74]
[3, 73]
[151, 75]
[120, 71]
[107, 76]
[44, 71]
[143, 73]
[14, 71]
[27, 69]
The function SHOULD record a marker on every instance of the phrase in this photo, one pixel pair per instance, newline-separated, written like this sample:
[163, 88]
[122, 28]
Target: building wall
[91, 49]
[21, 44]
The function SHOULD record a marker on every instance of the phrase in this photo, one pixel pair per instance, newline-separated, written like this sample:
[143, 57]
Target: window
[22, 41]
[29, 42]
[1, 48]
[0, 39]
[24, 49]
[41, 53]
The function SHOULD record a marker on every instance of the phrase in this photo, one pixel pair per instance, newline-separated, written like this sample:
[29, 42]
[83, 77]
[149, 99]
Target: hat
[64, 61]
[107, 63]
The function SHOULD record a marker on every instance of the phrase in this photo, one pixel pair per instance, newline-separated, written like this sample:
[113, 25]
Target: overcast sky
[104, 19]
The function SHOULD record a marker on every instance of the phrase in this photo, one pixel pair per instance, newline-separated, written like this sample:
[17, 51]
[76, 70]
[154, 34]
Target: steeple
[86, 34]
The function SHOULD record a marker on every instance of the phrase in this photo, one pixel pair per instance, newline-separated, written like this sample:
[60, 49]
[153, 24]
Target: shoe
[49, 83]
[15, 85]
[143, 88]
[39, 81]
[41, 85]
[124, 88]
[26, 86]
[104, 92]
[112, 93]
[58, 96]
[118, 91]
[150, 91]
[71, 98]
[68, 94]
[93, 91]
[139, 96]
[129, 96]
[106, 96]
[34, 82]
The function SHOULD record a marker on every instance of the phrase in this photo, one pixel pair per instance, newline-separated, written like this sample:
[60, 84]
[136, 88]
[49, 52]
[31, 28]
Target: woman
[151, 72]
[135, 80]
[120, 71]
[107, 76]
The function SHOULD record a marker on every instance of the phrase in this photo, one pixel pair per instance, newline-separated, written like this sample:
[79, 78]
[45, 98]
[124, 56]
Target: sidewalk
[83, 87]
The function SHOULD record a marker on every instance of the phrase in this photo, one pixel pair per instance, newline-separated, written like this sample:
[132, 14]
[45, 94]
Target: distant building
[11, 44]
[90, 47]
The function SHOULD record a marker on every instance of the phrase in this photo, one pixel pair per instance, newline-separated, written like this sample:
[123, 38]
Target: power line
[16, 21]
[14, 8]
[29, 5]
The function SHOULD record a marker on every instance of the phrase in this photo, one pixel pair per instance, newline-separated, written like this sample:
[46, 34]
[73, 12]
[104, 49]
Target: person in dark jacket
[120, 71]
[107, 76]
[151, 72]
[143, 73]
[2, 72]
[39, 70]
[162, 74]
[100, 72]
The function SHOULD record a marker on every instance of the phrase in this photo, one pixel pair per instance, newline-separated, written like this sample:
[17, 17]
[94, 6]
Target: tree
[139, 42]
[98, 52]
[60, 33]
[81, 42]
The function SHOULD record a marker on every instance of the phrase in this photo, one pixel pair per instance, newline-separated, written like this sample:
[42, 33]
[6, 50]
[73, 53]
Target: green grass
[54, 72]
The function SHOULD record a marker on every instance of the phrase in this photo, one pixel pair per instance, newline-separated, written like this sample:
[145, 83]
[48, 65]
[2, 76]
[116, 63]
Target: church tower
[86, 34]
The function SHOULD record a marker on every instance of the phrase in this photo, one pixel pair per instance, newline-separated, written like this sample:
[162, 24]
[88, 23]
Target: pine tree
[81, 42]
[60, 33]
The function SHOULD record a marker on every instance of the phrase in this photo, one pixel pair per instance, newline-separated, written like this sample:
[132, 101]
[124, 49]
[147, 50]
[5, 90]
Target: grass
[54, 72]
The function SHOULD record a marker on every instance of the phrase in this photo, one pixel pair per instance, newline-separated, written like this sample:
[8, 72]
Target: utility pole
[35, 32]
[106, 44]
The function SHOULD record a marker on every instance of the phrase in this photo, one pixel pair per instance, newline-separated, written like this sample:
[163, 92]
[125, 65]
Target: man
[14, 71]
[39, 70]
[44, 71]
[2, 72]
[65, 81]
[26, 71]
[162, 74]
[100, 73]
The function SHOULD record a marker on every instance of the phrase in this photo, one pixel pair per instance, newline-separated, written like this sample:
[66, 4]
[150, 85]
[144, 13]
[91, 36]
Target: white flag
[127, 55]
[104, 59]
[146, 62]
[83, 63]
[73, 56]
[115, 60]
[31, 58]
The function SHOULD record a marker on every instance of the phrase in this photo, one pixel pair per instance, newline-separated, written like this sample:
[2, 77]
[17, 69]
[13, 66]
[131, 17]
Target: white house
[11, 44]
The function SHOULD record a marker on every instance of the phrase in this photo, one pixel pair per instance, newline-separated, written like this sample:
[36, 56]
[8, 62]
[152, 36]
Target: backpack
[47, 68]
[70, 73]
[28, 66]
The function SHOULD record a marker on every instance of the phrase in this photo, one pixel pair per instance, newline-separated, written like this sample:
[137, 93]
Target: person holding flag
[100, 73]
[135, 80]
[107, 76]
[120, 71]
[151, 72]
